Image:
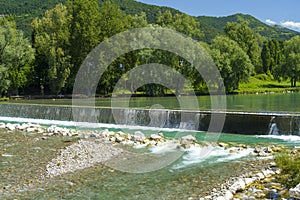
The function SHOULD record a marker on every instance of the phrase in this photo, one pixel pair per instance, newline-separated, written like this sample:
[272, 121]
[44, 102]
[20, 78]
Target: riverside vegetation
[50, 54]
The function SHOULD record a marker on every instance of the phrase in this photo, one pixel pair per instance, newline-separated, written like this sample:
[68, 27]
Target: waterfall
[273, 129]
[236, 122]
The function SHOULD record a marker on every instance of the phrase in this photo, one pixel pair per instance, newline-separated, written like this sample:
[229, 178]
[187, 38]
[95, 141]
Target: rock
[272, 195]
[189, 138]
[23, 126]
[10, 126]
[232, 151]
[268, 173]
[259, 176]
[155, 137]
[120, 139]
[185, 144]
[30, 130]
[222, 144]
[295, 192]
[268, 150]
[248, 181]
[238, 185]
[138, 136]
[2, 125]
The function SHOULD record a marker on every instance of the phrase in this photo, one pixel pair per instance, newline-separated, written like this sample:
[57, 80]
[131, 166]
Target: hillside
[25, 10]
[213, 26]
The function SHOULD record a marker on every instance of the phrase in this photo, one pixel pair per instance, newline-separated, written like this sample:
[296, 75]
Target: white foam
[211, 154]
[288, 138]
[164, 148]
[89, 125]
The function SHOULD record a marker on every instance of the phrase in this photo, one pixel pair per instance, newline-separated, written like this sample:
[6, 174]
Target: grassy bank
[263, 83]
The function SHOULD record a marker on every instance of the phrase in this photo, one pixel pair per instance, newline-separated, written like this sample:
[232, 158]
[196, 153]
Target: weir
[235, 122]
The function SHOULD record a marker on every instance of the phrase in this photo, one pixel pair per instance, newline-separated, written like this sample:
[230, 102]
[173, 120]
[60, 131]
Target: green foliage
[290, 68]
[16, 56]
[52, 40]
[64, 35]
[214, 26]
[271, 56]
[4, 99]
[182, 23]
[289, 164]
[233, 63]
[247, 40]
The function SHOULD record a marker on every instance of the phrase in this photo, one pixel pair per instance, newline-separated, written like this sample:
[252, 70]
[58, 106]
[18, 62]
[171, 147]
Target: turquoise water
[280, 102]
[25, 156]
[28, 154]
[22, 168]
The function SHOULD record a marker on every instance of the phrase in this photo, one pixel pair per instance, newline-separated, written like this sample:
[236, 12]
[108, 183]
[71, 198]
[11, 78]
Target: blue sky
[281, 12]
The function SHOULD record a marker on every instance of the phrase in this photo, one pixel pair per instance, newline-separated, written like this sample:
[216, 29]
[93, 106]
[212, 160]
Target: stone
[238, 185]
[2, 125]
[248, 181]
[232, 151]
[185, 144]
[260, 176]
[138, 136]
[155, 137]
[272, 195]
[10, 126]
[120, 139]
[295, 192]
[228, 195]
[222, 144]
[189, 138]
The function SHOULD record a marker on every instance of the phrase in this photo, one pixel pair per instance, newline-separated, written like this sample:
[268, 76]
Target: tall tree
[182, 23]
[16, 56]
[291, 65]
[247, 40]
[271, 55]
[234, 64]
[52, 42]
[84, 31]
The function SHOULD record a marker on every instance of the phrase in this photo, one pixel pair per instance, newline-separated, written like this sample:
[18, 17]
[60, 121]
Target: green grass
[263, 83]
[4, 99]
[289, 164]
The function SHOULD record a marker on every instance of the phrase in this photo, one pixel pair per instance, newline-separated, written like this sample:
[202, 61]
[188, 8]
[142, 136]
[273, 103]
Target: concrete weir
[235, 122]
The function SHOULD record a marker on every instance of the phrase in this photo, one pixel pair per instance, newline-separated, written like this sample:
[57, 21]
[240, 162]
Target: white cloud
[271, 22]
[291, 24]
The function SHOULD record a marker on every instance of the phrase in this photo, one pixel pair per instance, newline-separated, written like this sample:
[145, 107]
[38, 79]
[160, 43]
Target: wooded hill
[25, 10]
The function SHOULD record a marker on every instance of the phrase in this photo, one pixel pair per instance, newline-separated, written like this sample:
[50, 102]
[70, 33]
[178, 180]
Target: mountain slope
[25, 10]
[218, 23]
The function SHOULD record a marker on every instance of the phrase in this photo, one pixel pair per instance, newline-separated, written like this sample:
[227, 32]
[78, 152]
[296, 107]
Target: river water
[23, 158]
[278, 102]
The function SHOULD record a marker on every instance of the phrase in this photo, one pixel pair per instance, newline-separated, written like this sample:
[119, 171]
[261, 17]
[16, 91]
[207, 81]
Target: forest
[47, 51]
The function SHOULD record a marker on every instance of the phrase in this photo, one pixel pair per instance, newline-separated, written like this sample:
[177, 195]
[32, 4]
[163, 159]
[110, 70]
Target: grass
[289, 164]
[263, 83]
[4, 99]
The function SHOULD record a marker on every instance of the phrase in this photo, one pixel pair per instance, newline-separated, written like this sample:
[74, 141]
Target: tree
[84, 32]
[182, 23]
[271, 56]
[16, 56]
[291, 65]
[234, 64]
[247, 40]
[51, 38]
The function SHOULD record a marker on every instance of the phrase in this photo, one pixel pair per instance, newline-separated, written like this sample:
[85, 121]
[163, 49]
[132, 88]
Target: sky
[281, 12]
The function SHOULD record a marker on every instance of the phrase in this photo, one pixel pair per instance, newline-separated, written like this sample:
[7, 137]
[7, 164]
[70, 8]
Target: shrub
[4, 99]
[289, 164]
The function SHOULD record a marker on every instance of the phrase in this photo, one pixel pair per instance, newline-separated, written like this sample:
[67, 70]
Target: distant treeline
[63, 36]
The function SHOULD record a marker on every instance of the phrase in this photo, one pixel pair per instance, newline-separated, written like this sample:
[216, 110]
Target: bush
[264, 77]
[289, 164]
[4, 99]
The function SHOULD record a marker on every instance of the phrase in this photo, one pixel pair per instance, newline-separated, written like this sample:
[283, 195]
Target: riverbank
[87, 151]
